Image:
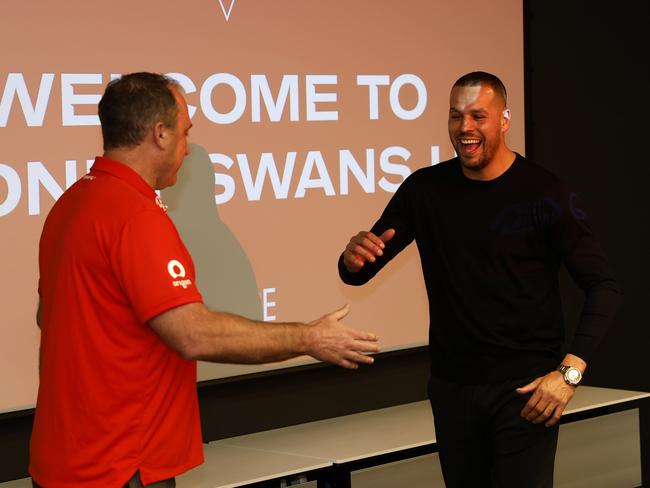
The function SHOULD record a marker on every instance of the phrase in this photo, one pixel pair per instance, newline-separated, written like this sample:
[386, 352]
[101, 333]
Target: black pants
[135, 482]
[483, 441]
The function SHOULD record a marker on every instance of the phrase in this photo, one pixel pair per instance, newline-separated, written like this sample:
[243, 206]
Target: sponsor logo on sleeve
[177, 270]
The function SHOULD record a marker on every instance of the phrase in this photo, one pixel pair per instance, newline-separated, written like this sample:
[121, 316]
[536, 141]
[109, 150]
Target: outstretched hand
[550, 397]
[364, 247]
[332, 341]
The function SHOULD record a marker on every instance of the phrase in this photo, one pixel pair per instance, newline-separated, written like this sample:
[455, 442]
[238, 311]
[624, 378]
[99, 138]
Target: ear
[160, 135]
[505, 119]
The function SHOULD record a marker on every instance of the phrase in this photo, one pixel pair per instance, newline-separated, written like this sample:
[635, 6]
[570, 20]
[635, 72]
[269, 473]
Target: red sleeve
[153, 266]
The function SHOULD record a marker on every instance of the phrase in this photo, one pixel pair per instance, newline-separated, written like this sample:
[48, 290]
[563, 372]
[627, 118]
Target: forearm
[355, 278]
[598, 312]
[228, 338]
[197, 333]
[575, 361]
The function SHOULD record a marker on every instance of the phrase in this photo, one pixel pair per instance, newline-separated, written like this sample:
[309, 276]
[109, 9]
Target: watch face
[573, 375]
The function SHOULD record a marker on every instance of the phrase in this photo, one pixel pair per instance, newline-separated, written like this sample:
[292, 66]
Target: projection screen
[306, 117]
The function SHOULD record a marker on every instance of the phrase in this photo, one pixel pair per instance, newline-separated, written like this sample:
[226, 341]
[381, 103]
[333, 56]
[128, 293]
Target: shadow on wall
[224, 274]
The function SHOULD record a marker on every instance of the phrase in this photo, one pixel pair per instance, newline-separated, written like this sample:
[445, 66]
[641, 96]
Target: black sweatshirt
[490, 253]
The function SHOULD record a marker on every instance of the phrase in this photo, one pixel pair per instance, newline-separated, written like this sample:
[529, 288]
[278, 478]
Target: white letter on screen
[267, 304]
[312, 97]
[392, 168]
[15, 85]
[240, 98]
[323, 181]
[187, 85]
[223, 179]
[372, 82]
[421, 104]
[435, 155]
[69, 99]
[275, 108]
[348, 163]
[70, 173]
[37, 174]
[13, 189]
[266, 166]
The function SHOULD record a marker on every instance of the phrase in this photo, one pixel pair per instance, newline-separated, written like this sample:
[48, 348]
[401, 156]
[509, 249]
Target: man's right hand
[328, 339]
[363, 247]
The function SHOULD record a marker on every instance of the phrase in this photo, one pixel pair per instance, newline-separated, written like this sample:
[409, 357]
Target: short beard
[482, 163]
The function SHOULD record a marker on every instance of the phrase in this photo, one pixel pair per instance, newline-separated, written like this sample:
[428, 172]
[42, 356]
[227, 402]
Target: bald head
[481, 78]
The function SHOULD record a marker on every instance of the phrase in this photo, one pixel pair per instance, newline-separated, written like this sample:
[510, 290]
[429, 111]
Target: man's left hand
[550, 397]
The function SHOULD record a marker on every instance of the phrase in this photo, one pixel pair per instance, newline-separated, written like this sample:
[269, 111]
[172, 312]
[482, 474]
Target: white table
[376, 437]
[329, 450]
[230, 466]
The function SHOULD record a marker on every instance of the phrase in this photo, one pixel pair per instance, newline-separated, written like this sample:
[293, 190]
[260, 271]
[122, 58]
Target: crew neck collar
[511, 169]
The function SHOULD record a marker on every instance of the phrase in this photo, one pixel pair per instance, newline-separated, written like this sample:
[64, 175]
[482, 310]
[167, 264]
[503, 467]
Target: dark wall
[584, 107]
[586, 103]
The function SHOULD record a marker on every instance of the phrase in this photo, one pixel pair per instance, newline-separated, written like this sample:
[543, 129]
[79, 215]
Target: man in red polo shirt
[122, 321]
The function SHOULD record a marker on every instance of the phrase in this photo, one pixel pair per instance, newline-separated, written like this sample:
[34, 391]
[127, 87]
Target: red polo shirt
[113, 398]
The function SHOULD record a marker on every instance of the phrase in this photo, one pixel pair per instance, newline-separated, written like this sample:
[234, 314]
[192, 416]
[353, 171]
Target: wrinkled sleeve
[585, 260]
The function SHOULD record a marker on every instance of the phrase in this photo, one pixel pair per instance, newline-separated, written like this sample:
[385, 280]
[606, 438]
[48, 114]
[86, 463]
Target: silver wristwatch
[572, 376]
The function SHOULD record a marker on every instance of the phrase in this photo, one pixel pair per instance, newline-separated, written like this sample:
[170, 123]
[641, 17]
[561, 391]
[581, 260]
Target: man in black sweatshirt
[492, 229]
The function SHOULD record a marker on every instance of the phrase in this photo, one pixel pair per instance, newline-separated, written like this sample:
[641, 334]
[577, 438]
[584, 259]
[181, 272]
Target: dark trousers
[483, 441]
[135, 482]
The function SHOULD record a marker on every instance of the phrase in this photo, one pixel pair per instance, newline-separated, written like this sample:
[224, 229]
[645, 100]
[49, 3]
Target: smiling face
[477, 123]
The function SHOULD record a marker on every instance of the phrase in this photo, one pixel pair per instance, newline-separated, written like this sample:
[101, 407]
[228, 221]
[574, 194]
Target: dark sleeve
[585, 261]
[397, 215]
